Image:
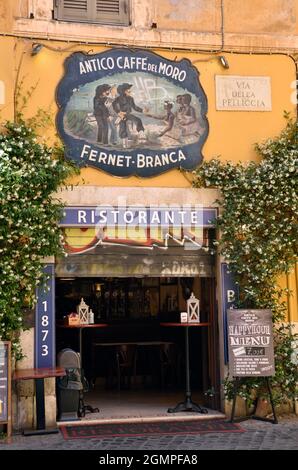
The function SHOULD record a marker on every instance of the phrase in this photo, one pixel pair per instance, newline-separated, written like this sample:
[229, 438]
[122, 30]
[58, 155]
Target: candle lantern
[83, 311]
[193, 309]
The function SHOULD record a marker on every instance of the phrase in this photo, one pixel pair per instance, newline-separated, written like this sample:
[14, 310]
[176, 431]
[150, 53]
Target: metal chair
[122, 366]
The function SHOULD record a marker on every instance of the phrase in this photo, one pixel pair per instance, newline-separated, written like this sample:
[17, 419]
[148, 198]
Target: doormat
[100, 431]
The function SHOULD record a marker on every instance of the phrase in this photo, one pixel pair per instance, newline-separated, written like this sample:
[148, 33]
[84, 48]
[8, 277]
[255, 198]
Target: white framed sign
[243, 93]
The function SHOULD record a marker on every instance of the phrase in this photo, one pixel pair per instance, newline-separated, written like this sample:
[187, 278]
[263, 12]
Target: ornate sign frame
[132, 112]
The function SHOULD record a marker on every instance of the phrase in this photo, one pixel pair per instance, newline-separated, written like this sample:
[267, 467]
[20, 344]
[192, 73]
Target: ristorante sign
[132, 112]
[138, 217]
[155, 226]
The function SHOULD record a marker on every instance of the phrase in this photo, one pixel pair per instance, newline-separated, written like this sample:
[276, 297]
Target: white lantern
[83, 311]
[193, 309]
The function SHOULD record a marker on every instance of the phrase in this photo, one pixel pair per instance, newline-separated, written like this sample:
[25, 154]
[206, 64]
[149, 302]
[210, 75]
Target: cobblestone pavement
[258, 436]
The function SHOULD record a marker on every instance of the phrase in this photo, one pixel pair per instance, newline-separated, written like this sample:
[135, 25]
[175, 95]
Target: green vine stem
[30, 172]
[259, 240]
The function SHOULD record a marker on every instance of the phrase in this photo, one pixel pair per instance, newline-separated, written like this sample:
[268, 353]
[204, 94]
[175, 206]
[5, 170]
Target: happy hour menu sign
[250, 343]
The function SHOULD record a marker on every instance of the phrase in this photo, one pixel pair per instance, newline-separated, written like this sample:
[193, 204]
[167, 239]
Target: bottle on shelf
[90, 317]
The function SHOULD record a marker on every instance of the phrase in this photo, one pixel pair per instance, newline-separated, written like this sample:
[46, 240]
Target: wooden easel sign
[251, 353]
[5, 386]
[250, 338]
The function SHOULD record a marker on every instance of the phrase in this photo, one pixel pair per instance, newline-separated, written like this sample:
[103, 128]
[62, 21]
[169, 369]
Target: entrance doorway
[136, 366]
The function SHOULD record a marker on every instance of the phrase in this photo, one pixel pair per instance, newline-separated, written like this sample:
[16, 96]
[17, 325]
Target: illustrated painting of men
[123, 105]
[101, 112]
[189, 121]
[113, 117]
[168, 118]
[180, 108]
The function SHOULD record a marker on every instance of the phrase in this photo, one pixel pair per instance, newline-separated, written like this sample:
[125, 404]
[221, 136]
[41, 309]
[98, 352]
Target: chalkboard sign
[250, 343]
[5, 385]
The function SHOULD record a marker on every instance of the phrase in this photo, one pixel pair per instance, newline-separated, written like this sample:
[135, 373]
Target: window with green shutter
[93, 11]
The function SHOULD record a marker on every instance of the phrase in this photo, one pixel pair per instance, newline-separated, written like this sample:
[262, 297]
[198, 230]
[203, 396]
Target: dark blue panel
[230, 295]
[45, 355]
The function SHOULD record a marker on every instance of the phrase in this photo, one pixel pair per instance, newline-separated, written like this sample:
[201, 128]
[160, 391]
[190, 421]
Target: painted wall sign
[230, 294]
[132, 112]
[45, 355]
[243, 93]
[127, 264]
[4, 381]
[250, 343]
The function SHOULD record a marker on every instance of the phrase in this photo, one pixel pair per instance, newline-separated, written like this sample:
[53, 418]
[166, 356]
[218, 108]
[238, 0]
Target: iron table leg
[85, 407]
[187, 404]
[40, 404]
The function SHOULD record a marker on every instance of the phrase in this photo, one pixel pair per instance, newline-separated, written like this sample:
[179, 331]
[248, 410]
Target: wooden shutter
[72, 10]
[93, 11]
[112, 11]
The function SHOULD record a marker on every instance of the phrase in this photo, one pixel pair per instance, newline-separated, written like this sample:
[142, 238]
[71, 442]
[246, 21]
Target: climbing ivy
[30, 172]
[259, 238]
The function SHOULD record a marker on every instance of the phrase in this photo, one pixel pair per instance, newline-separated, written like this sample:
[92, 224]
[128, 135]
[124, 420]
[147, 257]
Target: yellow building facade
[251, 45]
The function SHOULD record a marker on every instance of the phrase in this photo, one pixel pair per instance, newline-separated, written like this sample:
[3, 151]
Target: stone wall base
[263, 408]
[23, 393]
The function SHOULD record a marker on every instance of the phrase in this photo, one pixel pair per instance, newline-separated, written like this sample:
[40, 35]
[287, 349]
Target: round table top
[183, 324]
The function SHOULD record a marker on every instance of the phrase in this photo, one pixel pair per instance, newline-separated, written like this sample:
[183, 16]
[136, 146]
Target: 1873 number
[44, 331]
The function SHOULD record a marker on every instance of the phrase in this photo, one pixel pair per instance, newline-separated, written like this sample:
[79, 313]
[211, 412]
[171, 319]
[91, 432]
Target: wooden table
[38, 375]
[187, 404]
